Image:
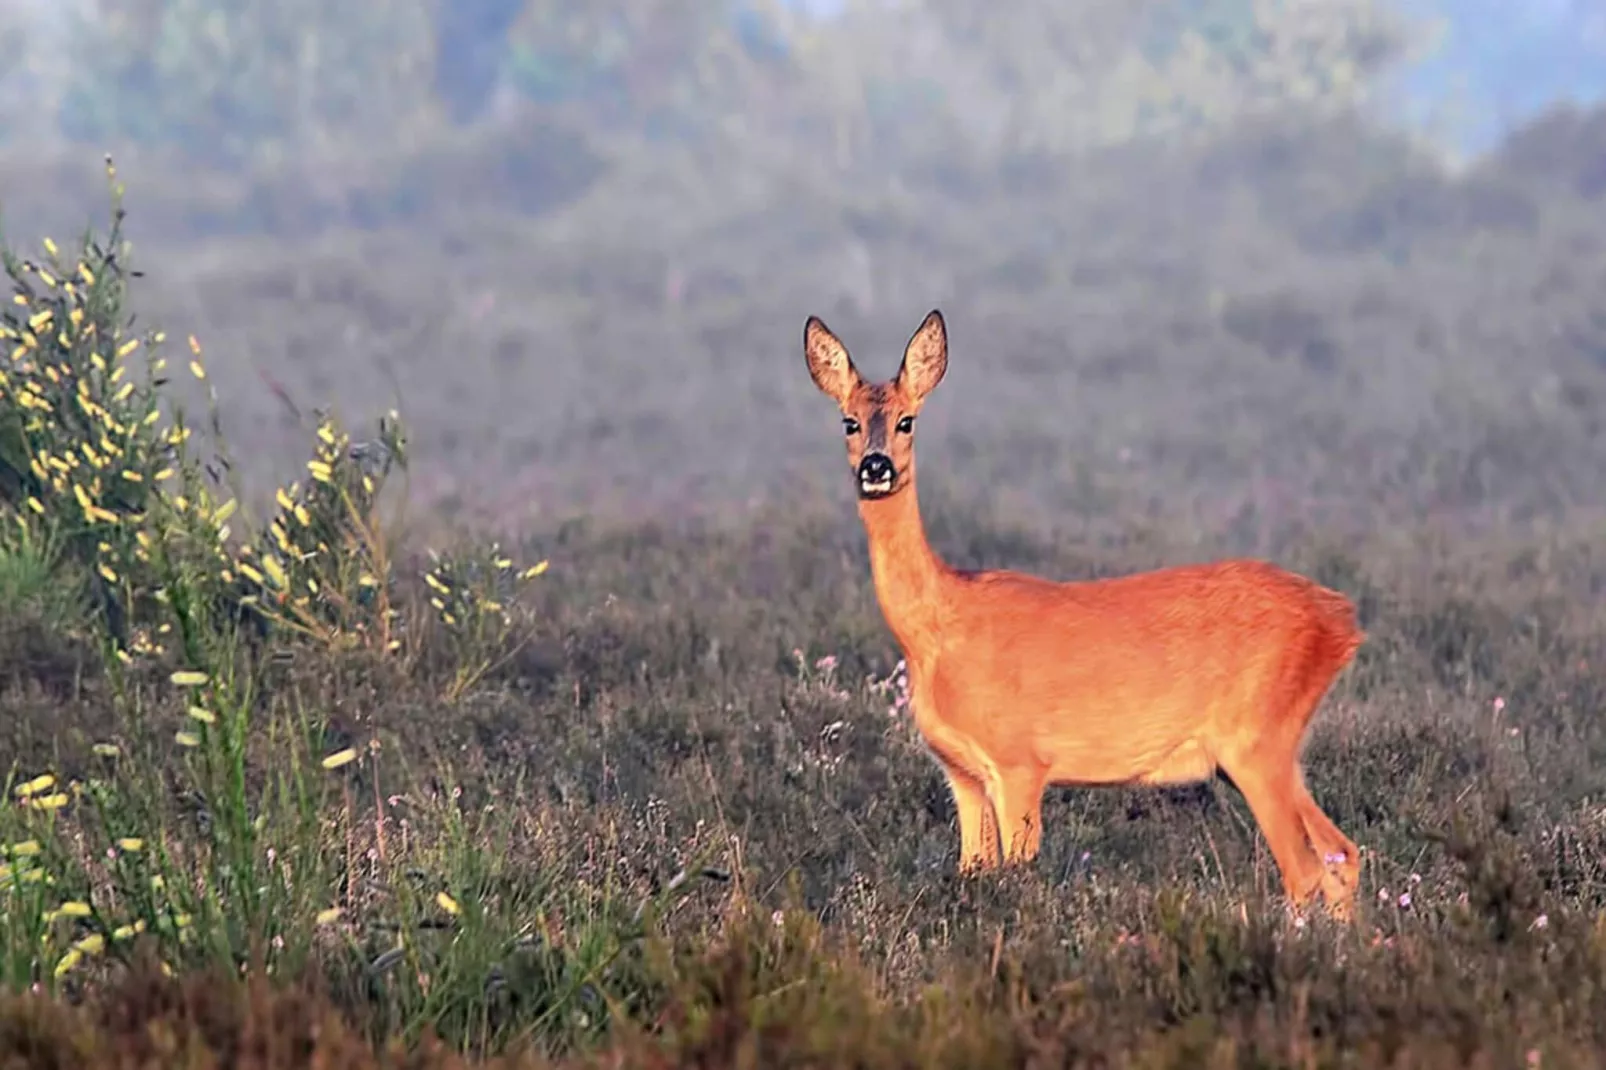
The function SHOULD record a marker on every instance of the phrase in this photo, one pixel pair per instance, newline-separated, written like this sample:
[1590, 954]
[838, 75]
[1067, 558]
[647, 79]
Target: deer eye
[850, 425]
[906, 425]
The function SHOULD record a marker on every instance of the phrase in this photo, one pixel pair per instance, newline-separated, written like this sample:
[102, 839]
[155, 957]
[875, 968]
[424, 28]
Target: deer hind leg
[1017, 796]
[1272, 790]
[1341, 859]
[978, 826]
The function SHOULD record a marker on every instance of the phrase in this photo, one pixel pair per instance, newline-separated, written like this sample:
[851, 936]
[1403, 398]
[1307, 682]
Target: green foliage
[472, 593]
[232, 79]
[321, 566]
[1053, 79]
[84, 449]
[36, 584]
[217, 829]
[249, 81]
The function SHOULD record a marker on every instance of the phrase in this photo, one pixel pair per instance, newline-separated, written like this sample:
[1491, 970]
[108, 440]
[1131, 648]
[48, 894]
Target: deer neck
[909, 577]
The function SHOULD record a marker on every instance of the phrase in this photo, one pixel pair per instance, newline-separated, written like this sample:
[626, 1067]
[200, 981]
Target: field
[635, 786]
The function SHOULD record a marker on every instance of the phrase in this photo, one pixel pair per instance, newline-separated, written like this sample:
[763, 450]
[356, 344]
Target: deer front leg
[978, 828]
[1018, 805]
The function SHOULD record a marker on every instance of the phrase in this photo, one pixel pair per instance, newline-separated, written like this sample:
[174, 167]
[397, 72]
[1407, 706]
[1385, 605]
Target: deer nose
[876, 473]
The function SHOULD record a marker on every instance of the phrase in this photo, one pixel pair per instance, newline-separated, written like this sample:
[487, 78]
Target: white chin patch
[882, 487]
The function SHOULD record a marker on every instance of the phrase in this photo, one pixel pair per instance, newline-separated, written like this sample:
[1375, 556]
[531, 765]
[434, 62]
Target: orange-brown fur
[1163, 677]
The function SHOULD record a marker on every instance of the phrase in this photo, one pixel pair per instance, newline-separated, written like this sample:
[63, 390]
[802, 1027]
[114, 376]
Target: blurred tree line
[234, 81]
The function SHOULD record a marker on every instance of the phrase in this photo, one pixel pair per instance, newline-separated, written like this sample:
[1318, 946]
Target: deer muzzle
[876, 476]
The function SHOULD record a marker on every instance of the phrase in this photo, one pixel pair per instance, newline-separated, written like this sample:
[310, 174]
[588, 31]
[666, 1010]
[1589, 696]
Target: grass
[291, 785]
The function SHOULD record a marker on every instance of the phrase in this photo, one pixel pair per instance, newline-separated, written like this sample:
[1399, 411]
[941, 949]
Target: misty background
[1246, 265]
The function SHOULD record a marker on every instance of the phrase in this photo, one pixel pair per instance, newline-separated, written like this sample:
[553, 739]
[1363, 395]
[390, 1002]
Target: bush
[219, 828]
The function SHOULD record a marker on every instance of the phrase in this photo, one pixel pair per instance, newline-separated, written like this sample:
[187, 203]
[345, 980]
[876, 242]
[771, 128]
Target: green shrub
[223, 827]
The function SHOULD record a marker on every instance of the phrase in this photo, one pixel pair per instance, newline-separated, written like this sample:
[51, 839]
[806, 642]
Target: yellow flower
[275, 571]
[123, 932]
[74, 909]
[340, 758]
[188, 678]
[43, 782]
[327, 917]
[131, 843]
[447, 903]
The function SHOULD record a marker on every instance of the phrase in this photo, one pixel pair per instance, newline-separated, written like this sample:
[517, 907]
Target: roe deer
[1163, 677]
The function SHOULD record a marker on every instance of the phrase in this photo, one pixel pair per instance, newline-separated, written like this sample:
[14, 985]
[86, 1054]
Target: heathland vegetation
[434, 629]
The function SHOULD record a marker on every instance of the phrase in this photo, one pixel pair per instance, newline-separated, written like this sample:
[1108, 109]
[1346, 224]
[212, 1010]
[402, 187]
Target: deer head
[879, 418]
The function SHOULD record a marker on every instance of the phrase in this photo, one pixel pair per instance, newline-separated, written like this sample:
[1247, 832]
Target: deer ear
[925, 358]
[829, 363]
